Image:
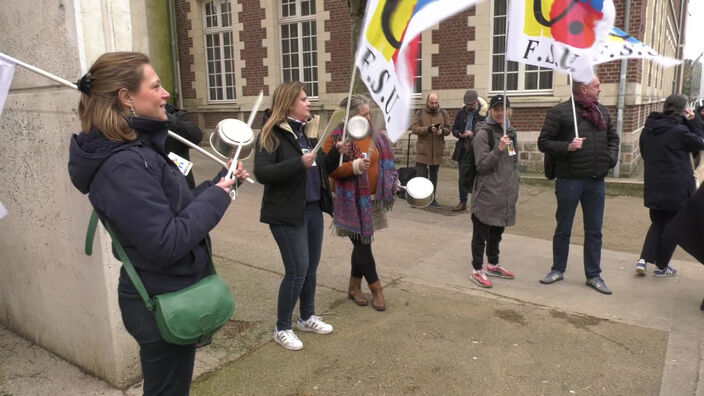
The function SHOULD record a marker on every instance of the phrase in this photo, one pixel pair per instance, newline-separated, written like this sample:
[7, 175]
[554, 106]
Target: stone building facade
[229, 50]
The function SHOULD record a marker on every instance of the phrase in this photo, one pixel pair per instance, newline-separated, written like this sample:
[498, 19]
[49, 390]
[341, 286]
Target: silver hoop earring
[133, 113]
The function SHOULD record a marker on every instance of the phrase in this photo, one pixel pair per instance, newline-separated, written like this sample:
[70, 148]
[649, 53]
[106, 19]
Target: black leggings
[363, 264]
[485, 235]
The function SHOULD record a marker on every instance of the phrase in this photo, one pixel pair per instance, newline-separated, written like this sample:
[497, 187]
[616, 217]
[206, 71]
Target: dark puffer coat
[284, 178]
[599, 152]
[160, 222]
[665, 145]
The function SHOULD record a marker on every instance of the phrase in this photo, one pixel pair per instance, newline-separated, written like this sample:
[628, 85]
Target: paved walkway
[441, 333]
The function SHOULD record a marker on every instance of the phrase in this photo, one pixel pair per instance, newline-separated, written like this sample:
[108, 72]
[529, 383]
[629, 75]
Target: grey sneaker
[598, 284]
[552, 277]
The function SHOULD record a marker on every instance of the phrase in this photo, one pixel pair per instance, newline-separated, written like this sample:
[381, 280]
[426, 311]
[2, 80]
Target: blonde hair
[284, 97]
[101, 108]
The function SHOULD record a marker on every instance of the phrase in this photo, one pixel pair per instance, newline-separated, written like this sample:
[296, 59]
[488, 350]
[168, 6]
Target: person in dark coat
[474, 111]
[687, 227]
[581, 163]
[296, 193]
[119, 160]
[181, 124]
[666, 142]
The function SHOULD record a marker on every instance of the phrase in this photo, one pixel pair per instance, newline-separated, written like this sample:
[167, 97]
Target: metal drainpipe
[622, 91]
[680, 44]
[174, 54]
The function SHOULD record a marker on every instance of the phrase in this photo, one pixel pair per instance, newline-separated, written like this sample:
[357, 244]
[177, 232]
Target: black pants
[363, 264]
[656, 248]
[429, 172]
[485, 235]
[167, 368]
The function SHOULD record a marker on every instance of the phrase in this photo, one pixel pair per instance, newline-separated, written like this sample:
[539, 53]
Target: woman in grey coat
[495, 191]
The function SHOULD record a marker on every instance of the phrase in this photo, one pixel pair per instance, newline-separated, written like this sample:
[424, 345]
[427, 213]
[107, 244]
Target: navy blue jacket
[665, 145]
[284, 178]
[161, 223]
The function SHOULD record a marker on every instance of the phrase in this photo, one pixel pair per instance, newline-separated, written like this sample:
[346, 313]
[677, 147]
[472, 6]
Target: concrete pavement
[441, 333]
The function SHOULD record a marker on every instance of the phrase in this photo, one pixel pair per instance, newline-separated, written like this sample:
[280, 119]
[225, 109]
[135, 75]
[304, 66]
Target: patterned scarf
[590, 110]
[353, 200]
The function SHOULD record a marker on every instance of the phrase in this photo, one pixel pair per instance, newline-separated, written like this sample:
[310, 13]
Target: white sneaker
[288, 339]
[315, 324]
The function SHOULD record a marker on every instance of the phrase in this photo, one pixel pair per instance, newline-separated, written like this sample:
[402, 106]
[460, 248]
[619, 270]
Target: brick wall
[253, 52]
[453, 57]
[610, 72]
[185, 43]
[339, 46]
[529, 121]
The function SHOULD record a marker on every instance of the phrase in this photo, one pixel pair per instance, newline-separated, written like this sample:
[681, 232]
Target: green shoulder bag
[186, 316]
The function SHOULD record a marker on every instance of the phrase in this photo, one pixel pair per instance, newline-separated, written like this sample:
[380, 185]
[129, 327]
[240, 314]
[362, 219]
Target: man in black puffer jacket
[581, 162]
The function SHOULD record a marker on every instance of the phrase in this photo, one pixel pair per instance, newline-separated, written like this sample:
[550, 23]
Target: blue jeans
[300, 250]
[591, 193]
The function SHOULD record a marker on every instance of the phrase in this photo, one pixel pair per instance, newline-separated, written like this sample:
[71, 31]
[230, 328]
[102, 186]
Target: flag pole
[574, 112]
[38, 71]
[72, 85]
[349, 102]
[505, 62]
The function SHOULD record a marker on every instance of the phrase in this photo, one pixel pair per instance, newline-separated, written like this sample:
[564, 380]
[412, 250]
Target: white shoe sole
[289, 347]
[640, 271]
[311, 330]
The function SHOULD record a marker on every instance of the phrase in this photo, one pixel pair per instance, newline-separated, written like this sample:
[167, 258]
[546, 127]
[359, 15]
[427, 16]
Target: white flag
[7, 71]
[564, 35]
[388, 48]
[621, 45]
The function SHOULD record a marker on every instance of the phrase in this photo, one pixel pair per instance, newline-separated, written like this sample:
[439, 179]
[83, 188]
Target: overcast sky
[694, 36]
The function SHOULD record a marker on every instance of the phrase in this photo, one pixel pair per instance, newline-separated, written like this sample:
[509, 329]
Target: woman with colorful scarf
[364, 188]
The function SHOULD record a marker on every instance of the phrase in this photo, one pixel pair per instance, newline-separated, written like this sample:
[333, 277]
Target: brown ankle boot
[378, 296]
[355, 291]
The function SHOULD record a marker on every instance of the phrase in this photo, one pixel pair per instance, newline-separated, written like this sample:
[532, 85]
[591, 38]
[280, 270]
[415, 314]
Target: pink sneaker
[479, 277]
[499, 271]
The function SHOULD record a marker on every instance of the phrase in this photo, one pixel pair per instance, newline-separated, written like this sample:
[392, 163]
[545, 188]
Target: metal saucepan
[357, 128]
[419, 192]
[230, 135]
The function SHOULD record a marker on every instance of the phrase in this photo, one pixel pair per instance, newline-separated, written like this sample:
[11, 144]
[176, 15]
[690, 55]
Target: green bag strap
[92, 224]
[90, 235]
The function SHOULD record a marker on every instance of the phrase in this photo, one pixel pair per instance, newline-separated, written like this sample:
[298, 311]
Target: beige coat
[429, 147]
[495, 191]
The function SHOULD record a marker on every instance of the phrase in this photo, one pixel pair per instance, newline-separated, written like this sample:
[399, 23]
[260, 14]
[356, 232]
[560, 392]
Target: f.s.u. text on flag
[388, 48]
